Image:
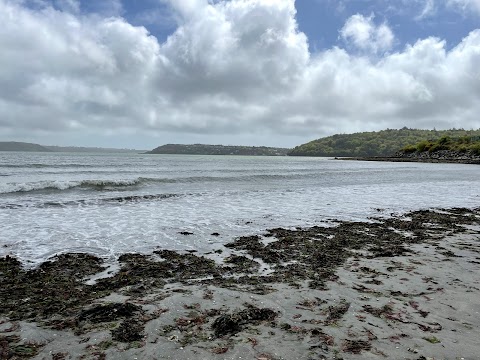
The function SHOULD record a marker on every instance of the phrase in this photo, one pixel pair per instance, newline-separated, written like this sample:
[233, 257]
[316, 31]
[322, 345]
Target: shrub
[462, 148]
[444, 140]
[424, 145]
[475, 149]
[435, 147]
[410, 148]
[464, 140]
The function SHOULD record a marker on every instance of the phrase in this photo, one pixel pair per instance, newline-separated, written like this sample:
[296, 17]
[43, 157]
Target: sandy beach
[405, 287]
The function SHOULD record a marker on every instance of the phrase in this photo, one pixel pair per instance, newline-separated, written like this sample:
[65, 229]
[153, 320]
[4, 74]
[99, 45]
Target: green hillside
[376, 143]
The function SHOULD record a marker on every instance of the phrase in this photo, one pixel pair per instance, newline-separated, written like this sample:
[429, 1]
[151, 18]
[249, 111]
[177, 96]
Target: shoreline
[401, 159]
[402, 287]
[442, 156]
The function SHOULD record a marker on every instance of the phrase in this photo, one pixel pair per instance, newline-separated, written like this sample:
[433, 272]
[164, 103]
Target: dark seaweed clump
[129, 330]
[108, 312]
[55, 287]
[11, 347]
[231, 324]
[55, 294]
[335, 313]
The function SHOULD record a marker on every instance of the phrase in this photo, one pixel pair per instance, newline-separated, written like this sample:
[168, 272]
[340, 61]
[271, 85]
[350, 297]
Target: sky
[142, 73]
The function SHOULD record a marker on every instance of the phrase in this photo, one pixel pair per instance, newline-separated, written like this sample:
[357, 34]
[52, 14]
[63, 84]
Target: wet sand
[405, 287]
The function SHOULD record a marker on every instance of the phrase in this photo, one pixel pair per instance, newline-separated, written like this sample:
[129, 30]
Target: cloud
[189, 8]
[428, 10]
[365, 35]
[230, 67]
[465, 6]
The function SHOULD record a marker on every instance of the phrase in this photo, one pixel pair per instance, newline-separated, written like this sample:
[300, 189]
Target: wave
[110, 185]
[136, 198]
[42, 166]
[57, 185]
[85, 202]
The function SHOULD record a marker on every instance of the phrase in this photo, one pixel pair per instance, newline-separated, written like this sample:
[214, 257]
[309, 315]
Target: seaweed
[231, 324]
[129, 330]
[11, 347]
[356, 346]
[335, 313]
[108, 312]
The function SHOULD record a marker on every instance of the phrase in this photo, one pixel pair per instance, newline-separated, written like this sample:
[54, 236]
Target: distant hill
[80, 149]
[21, 146]
[376, 143]
[201, 149]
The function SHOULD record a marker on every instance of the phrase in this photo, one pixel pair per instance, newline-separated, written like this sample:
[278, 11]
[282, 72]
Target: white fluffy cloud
[231, 67]
[362, 32]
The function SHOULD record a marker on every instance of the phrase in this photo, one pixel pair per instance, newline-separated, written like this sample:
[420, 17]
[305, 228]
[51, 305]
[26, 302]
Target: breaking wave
[67, 185]
[110, 185]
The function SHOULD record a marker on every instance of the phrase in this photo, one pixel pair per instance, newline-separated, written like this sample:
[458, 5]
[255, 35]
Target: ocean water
[108, 204]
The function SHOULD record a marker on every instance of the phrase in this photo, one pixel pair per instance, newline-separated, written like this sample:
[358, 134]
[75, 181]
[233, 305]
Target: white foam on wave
[147, 225]
[65, 185]
[35, 186]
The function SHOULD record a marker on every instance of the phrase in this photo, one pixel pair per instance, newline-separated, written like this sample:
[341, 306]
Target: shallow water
[109, 204]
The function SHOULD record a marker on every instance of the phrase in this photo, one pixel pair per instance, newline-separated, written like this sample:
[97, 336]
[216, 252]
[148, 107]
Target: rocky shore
[440, 156]
[402, 287]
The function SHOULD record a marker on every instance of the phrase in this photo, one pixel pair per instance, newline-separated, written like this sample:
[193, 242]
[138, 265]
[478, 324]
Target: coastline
[412, 159]
[439, 156]
[402, 287]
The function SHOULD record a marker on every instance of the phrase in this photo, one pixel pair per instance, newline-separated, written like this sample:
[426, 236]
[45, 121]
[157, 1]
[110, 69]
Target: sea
[110, 204]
